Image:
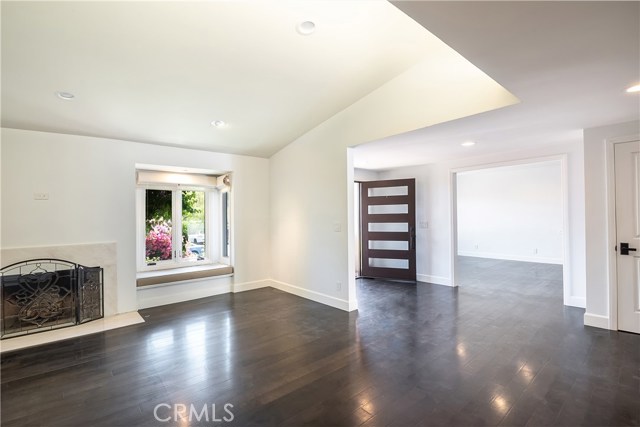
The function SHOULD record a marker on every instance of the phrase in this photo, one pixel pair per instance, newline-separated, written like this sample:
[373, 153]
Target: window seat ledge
[158, 277]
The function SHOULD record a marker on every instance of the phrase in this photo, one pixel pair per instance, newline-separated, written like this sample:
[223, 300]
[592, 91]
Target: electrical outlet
[337, 227]
[424, 224]
[476, 246]
[40, 196]
[338, 286]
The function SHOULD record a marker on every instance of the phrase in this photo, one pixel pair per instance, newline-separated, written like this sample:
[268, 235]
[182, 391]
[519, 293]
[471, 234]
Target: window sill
[158, 277]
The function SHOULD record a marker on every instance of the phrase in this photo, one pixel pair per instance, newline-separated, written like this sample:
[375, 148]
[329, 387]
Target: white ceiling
[568, 62]
[161, 72]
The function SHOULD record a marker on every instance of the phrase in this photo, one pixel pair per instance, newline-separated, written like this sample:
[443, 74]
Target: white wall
[359, 175]
[511, 212]
[433, 204]
[91, 184]
[600, 309]
[312, 221]
[433, 263]
[364, 175]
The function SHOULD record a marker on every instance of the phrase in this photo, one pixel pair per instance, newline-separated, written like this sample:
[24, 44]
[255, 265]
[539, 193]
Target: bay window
[181, 223]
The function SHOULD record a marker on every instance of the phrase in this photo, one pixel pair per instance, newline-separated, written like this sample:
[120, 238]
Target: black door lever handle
[625, 249]
[412, 238]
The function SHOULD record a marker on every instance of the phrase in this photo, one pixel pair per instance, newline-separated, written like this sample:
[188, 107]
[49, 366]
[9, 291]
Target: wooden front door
[388, 234]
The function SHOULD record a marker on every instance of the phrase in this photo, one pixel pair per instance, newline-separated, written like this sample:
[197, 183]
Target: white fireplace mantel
[87, 254]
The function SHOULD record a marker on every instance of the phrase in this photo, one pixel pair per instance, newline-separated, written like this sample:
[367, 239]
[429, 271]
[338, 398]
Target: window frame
[176, 227]
[225, 194]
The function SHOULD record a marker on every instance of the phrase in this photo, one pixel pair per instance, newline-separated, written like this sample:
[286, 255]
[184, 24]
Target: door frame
[611, 225]
[566, 241]
[408, 274]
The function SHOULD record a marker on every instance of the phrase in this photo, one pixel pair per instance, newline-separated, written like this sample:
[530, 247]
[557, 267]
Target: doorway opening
[510, 222]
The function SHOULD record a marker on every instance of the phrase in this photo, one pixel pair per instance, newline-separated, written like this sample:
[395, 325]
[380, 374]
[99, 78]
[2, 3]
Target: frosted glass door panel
[388, 209]
[389, 245]
[388, 191]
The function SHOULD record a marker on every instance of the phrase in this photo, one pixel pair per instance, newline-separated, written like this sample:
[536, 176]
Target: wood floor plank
[499, 350]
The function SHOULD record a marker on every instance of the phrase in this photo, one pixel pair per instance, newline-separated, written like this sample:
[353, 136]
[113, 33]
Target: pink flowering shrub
[158, 240]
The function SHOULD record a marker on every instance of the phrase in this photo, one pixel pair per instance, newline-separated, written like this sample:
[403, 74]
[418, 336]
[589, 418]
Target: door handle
[412, 238]
[625, 249]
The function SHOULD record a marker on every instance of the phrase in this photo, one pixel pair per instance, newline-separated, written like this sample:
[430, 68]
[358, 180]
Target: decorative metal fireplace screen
[43, 294]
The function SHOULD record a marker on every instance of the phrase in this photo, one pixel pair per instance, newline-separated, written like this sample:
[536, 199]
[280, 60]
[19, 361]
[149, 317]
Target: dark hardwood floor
[499, 350]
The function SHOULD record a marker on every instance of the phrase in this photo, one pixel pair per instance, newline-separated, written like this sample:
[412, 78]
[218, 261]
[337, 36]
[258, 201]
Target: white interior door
[627, 172]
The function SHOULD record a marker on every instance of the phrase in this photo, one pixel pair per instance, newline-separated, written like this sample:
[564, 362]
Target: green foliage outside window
[158, 216]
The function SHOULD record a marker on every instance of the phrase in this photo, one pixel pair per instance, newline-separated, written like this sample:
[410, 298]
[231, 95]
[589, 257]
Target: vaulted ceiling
[162, 72]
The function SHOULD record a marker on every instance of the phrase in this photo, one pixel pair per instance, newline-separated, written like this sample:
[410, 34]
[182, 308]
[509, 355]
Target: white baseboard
[596, 320]
[311, 295]
[249, 286]
[580, 302]
[185, 291]
[436, 280]
[154, 296]
[525, 258]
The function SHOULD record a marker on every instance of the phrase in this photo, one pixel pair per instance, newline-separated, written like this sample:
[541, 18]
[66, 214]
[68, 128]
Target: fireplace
[43, 294]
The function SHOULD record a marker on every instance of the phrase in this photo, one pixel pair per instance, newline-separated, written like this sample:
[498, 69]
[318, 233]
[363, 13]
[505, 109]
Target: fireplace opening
[44, 294]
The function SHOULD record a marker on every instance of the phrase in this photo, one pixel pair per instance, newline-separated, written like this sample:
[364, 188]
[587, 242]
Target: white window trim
[225, 259]
[176, 263]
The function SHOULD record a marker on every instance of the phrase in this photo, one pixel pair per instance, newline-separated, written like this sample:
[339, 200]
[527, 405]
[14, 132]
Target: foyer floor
[499, 350]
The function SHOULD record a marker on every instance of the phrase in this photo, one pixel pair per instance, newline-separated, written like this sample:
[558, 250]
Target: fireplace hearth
[44, 294]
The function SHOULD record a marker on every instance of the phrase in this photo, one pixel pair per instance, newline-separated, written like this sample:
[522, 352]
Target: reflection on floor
[518, 288]
[499, 350]
[528, 277]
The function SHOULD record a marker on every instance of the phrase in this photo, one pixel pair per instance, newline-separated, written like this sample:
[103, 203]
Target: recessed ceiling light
[218, 123]
[67, 96]
[633, 89]
[468, 144]
[305, 28]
